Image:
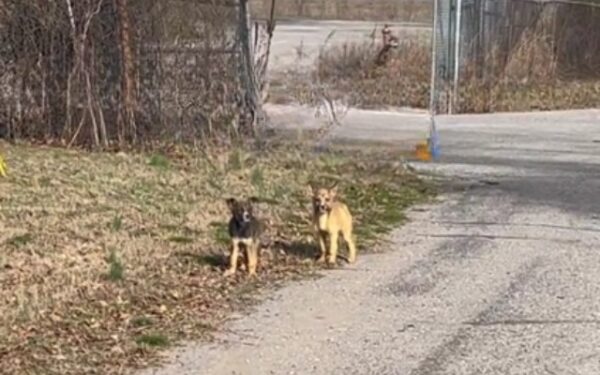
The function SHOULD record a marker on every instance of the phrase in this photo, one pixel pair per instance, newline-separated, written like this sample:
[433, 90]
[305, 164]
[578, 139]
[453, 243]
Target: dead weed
[349, 71]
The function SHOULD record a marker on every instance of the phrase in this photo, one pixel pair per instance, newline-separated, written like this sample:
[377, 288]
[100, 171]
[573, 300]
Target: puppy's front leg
[235, 252]
[347, 235]
[333, 247]
[252, 250]
[322, 246]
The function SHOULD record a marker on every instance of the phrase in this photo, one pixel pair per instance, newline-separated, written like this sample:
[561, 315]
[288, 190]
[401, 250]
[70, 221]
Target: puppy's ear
[333, 189]
[230, 203]
[253, 200]
[311, 189]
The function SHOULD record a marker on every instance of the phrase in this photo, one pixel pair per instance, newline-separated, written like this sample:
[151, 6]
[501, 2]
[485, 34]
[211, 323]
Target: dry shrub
[532, 59]
[530, 79]
[549, 60]
[403, 81]
[347, 60]
[506, 96]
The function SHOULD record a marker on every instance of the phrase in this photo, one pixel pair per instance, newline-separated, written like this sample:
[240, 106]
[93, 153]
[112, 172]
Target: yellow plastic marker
[422, 151]
[2, 167]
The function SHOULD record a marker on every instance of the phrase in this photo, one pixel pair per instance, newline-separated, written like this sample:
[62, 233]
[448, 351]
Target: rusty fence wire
[111, 72]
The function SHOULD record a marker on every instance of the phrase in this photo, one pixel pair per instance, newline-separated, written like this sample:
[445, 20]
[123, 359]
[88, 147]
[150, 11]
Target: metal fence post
[457, 40]
[253, 98]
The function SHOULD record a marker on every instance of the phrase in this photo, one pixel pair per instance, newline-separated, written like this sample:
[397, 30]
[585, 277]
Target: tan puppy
[331, 218]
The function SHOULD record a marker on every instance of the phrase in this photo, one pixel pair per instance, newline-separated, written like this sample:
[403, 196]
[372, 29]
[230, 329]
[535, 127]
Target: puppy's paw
[229, 272]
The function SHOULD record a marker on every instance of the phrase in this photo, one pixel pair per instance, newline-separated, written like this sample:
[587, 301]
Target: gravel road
[498, 277]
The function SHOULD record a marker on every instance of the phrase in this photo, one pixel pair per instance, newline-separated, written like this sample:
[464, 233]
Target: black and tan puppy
[245, 230]
[331, 218]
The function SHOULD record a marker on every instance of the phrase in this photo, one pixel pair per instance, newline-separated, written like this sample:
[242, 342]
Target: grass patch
[20, 240]
[116, 271]
[257, 179]
[220, 233]
[45, 182]
[153, 340]
[159, 161]
[117, 223]
[236, 160]
[173, 244]
[181, 239]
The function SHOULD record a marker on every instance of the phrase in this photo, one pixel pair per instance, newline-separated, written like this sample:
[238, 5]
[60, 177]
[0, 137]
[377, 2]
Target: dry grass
[508, 96]
[107, 258]
[531, 79]
[402, 82]
[348, 72]
[525, 83]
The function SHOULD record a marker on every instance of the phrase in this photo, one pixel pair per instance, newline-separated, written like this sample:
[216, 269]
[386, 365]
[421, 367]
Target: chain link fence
[102, 72]
[511, 55]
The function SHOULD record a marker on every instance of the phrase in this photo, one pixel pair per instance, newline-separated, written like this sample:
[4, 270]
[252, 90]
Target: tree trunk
[127, 127]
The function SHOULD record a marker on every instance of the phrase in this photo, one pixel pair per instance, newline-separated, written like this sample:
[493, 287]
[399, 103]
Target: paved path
[500, 277]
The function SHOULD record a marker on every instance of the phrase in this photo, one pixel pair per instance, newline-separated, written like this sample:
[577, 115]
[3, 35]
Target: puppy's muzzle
[246, 217]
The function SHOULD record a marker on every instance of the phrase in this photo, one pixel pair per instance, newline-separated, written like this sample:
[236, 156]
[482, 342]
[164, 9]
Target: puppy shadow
[305, 250]
[302, 250]
[205, 259]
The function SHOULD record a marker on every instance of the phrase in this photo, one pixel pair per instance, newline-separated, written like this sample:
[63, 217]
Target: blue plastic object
[434, 142]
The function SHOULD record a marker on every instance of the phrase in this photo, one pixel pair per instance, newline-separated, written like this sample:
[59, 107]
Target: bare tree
[79, 81]
[127, 126]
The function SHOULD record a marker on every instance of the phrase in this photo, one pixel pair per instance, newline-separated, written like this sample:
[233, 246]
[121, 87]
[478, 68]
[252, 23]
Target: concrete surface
[400, 127]
[499, 277]
[296, 43]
